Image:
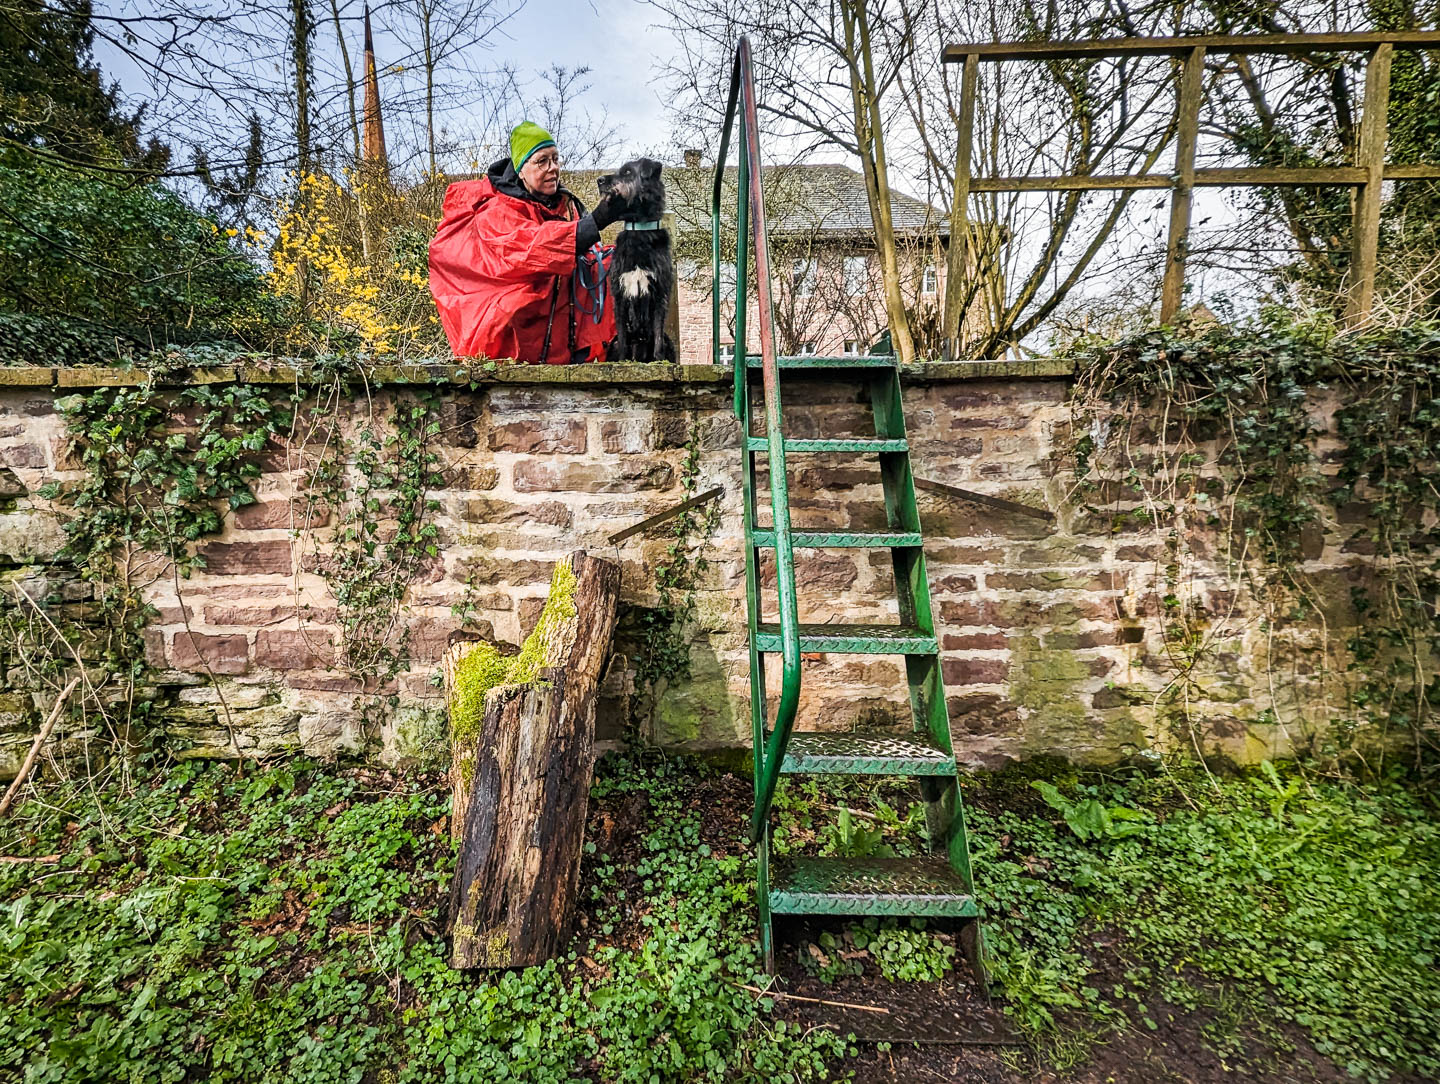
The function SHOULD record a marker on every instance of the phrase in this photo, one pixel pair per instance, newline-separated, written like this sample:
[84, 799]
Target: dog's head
[635, 190]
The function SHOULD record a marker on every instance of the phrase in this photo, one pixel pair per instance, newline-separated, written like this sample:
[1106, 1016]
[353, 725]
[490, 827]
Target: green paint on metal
[848, 444]
[940, 884]
[869, 886]
[822, 540]
[866, 754]
[855, 639]
[845, 361]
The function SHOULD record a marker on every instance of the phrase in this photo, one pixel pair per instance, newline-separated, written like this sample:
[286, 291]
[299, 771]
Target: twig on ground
[813, 1000]
[16, 859]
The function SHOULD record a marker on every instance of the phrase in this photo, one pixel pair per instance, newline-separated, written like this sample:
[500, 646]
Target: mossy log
[523, 734]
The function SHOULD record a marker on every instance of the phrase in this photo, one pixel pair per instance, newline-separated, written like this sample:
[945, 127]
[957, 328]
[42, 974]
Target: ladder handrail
[751, 198]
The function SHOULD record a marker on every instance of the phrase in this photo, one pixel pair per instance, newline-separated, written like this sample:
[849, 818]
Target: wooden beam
[669, 513]
[1209, 177]
[1365, 218]
[1420, 172]
[1187, 128]
[1304, 176]
[1279, 44]
[981, 498]
[1115, 181]
[958, 258]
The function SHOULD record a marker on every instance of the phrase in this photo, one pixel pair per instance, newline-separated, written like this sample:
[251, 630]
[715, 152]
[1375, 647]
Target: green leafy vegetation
[1309, 903]
[1276, 432]
[289, 926]
[1315, 900]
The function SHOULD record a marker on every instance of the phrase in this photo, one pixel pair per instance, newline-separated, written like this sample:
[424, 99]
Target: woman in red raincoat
[504, 262]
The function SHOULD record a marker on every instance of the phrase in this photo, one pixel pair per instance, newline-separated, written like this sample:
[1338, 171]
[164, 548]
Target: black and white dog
[641, 270]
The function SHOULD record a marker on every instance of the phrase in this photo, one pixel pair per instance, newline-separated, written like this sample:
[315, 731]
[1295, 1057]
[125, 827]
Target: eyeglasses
[545, 161]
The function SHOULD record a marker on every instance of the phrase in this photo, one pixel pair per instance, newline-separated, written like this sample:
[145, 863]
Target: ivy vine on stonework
[160, 469]
[1268, 437]
[377, 484]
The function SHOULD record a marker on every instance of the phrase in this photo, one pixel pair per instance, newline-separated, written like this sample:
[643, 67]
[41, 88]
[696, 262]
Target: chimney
[692, 159]
[373, 154]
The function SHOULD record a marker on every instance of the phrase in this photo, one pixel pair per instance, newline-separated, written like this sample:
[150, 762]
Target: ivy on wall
[1271, 436]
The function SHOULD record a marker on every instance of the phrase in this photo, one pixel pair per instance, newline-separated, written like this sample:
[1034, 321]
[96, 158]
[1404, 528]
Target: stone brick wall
[1054, 636]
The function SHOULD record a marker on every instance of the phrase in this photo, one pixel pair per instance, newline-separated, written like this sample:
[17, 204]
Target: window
[807, 349]
[727, 282]
[928, 282]
[803, 274]
[727, 352]
[857, 276]
[852, 348]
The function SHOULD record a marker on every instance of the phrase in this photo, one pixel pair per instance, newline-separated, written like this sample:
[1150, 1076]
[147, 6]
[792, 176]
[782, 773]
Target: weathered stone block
[294, 649]
[289, 515]
[629, 476]
[226, 654]
[484, 569]
[457, 422]
[25, 456]
[10, 485]
[30, 537]
[973, 671]
[247, 558]
[539, 436]
[626, 436]
[974, 641]
[473, 476]
[972, 613]
[487, 510]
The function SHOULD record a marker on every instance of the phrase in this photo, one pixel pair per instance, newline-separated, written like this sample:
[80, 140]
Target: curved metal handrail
[752, 198]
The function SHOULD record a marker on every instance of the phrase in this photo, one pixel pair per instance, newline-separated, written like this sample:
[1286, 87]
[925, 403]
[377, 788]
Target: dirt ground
[912, 1032]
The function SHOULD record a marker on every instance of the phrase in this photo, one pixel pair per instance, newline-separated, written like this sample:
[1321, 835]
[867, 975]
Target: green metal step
[917, 887]
[841, 444]
[853, 639]
[844, 361]
[865, 754]
[825, 540]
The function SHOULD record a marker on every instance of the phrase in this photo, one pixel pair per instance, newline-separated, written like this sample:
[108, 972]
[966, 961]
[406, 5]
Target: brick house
[828, 294]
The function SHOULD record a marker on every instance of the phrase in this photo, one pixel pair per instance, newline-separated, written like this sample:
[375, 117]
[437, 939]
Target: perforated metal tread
[820, 540]
[842, 444]
[916, 887]
[853, 639]
[846, 361]
[865, 754]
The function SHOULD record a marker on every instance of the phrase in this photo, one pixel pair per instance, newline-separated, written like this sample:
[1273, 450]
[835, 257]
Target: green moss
[483, 667]
[541, 645]
[1049, 682]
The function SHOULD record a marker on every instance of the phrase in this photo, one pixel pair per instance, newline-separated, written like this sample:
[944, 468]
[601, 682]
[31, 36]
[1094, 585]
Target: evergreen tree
[53, 99]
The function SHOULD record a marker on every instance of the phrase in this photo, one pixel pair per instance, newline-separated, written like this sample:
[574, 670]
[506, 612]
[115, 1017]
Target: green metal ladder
[939, 884]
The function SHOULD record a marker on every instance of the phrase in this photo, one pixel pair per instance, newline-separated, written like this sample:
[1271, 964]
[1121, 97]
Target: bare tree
[826, 76]
[445, 38]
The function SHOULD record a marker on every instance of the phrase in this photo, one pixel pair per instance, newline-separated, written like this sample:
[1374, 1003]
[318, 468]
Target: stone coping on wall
[455, 375]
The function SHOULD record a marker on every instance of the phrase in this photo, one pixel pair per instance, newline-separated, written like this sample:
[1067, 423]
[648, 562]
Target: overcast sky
[614, 37]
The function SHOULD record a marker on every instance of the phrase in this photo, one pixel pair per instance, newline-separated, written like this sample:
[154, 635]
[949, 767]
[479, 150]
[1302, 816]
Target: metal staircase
[938, 885]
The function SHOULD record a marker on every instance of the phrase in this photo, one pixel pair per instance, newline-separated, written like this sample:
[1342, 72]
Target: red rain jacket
[498, 262]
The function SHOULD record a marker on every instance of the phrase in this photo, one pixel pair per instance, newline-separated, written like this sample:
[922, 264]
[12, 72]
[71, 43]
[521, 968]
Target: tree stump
[523, 738]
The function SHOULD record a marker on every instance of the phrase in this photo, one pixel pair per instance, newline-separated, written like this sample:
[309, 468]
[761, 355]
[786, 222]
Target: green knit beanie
[527, 138]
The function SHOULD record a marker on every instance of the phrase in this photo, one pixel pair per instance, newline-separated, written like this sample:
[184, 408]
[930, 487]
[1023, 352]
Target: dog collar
[643, 225]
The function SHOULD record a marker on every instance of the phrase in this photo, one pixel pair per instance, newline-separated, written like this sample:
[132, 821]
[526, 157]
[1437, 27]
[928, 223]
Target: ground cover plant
[285, 923]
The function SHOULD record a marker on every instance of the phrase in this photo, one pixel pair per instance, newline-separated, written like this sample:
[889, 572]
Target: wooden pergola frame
[1365, 176]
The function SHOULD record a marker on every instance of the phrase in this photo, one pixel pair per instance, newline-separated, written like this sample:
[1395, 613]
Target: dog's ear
[649, 168]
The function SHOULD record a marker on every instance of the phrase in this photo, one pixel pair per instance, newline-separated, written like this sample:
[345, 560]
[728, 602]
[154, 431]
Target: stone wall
[1055, 637]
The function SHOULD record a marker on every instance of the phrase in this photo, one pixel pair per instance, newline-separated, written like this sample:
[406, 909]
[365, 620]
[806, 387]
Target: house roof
[824, 199]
